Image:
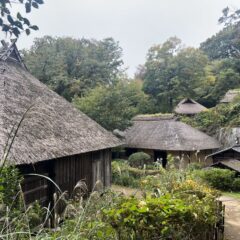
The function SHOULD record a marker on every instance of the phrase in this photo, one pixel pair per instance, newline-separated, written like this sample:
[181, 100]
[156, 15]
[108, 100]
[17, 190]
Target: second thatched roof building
[163, 135]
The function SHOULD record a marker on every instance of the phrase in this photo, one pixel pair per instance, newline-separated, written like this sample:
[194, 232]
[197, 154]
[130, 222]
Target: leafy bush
[165, 217]
[138, 159]
[215, 118]
[123, 174]
[10, 180]
[236, 184]
[221, 179]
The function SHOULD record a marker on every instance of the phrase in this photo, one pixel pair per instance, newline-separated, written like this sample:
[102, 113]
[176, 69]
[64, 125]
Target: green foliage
[225, 44]
[221, 116]
[165, 217]
[10, 185]
[71, 67]
[222, 179]
[139, 159]
[114, 106]
[13, 23]
[172, 73]
[236, 184]
[124, 175]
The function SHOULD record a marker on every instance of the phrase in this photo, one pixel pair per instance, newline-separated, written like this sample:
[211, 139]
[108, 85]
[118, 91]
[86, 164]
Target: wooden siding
[66, 172]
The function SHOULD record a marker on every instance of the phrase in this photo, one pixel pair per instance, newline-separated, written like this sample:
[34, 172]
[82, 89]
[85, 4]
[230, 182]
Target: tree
[72, 67]
[229, 16]
[221, 75]
[173, 72]
[14, 24]
[225, 44]
[114, 106]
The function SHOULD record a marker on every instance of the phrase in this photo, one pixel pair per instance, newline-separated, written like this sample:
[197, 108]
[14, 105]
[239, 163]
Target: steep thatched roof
[189, 106]
[230, 95]
[52, 127]
[167, 134]
[232, 164]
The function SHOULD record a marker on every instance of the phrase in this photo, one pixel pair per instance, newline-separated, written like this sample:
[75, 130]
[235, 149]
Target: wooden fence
[216, 232]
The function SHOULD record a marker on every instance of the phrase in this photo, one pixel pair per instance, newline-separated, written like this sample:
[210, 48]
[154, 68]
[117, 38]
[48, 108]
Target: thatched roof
[232, 164]
[230, 95]
[52, 127]
[189, 106]
[167, 134]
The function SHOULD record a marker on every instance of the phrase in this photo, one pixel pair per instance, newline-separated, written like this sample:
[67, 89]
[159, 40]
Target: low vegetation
[221, 116]
[170, 200]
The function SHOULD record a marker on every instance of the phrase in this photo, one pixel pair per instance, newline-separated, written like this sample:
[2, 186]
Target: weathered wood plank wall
[66, 172]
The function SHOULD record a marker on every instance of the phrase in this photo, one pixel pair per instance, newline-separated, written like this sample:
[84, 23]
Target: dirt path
[232, 218]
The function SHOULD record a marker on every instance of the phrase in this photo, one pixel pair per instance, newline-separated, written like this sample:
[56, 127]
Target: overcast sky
[136, 24]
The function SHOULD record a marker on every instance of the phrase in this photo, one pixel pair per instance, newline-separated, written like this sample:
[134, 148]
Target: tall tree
[114, 106]
[73, 67]
[173, 72]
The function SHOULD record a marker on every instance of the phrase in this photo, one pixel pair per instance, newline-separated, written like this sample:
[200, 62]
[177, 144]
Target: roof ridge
[11, 52]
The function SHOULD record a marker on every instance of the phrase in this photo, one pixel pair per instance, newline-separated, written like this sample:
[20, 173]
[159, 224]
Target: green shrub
[138, 159]
[123, 174]
[10, 180]
[236, 184]
[221, 179]
[165, 217]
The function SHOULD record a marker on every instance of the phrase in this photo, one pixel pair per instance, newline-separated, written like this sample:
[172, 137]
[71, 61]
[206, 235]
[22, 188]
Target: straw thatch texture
[189, 106]
[230, 95]
[52, 128]
[169, 135]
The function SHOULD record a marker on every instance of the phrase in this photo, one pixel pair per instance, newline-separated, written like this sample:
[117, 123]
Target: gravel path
[232, 218]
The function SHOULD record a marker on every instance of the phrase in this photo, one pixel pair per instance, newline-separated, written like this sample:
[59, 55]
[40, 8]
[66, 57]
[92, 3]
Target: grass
[232, 194]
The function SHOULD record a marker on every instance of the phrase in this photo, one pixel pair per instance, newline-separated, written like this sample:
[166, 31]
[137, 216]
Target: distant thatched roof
[167, 134]
[52, 127]
[232, 164]
[230, 95]
[189, 106]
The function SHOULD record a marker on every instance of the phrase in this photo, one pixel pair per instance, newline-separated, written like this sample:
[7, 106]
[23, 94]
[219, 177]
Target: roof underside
[233, 164]
[52, 127]
[234, 148]
[189, 106]
[168, 135]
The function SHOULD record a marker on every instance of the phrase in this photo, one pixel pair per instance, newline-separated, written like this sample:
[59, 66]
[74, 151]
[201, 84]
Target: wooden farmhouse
[161, 136]
[189, 107]
[43, 133]
[228, 158]
[230, 96]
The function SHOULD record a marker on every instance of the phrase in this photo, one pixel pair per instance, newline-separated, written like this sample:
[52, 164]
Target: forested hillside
[90, 73]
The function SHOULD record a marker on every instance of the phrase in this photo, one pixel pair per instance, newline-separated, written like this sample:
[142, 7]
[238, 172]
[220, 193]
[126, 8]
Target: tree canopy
[114, 106]
[73, 67]
[173, 72]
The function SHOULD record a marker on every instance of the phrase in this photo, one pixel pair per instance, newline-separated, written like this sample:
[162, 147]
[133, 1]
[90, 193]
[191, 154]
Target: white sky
[136, 24]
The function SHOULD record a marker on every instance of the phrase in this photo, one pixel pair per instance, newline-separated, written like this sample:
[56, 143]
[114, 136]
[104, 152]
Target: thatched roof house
[164, 134]
[227, 158]
[230, 95]
[65, 143]
[189, 107]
